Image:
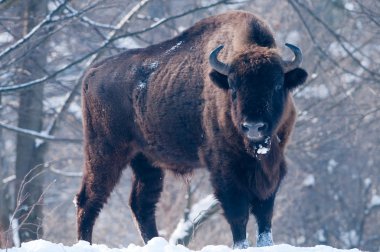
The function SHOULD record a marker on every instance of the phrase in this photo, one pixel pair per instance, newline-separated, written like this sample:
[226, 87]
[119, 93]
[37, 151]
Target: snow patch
[367, 182]
[128, 43]
[265, 239]
[76, 110]
[175, 47]
[331, 165]
[349, 6]
[293, 37]
[262, 150]
[158, 245]
[349, 78]
[317, 91]
[58, 101]
[5, 37]
[337, 50]
[375, 201]
[241, 244]
[15, 234]
[321, 235]
[142, 85]
[309, 181]
[350, 238]
[9, 179]
[153, 65]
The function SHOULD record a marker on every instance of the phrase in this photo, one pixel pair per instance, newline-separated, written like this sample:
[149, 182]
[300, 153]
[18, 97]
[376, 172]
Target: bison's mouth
[258, 148]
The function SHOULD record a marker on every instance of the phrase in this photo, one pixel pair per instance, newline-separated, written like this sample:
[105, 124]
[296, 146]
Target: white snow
[128, 43]
[313, 76]
[349, 6]
[262, 150]
[375, 201]
[331, 165]
[5, 37]
[293, 37]
[309, 181]
[337, 50]
[157, 245]
[9, 179]
[174, 47]
[58, 101]
[367, 182]
[153, 65]
[15, 234]
[264, 239]
[316, 91]
[141, 85]
[350, 238]
[321, 235]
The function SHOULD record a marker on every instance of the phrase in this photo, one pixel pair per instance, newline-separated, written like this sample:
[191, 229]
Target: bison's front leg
[236, 208]
[263, 211]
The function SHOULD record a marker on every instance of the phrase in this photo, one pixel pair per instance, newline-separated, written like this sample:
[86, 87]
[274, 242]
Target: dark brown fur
[157, 108]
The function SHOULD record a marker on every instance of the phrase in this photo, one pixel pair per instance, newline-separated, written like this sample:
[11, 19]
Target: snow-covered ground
[157, 245]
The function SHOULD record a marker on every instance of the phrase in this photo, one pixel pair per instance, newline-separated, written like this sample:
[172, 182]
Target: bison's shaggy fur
[165, 107]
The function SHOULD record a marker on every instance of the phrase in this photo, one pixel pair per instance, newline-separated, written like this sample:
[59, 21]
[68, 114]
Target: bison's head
[258, 82]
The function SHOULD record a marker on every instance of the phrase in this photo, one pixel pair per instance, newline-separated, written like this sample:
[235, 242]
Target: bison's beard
[258, 149]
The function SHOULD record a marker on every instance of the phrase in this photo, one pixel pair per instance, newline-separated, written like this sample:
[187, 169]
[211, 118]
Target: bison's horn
[216, 64]
[296, 62]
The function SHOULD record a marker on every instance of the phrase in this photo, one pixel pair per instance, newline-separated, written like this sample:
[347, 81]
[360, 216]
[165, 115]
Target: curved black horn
[296, 62]
[217, 65]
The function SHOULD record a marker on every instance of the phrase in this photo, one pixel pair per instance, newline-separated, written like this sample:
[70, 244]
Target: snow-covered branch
[199, 213]
[38, 135]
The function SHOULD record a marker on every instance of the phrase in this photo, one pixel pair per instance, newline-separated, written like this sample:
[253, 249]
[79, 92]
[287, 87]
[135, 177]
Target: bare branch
[38, 135]
[164, 20]
[111, 38]
[105, 43]
[337, 37]
[24, 39]
[88, 20]
[317, 45]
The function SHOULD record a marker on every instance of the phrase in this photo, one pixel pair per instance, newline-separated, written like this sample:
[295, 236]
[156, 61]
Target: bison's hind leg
[103, 167]
[146, 189]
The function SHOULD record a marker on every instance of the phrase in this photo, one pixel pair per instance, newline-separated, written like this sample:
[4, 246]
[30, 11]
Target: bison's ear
[219, 79]
[295, 78]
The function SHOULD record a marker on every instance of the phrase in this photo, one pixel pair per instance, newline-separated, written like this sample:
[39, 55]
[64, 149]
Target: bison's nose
[254, 130]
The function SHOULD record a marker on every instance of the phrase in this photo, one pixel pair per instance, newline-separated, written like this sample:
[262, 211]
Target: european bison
[176, 106]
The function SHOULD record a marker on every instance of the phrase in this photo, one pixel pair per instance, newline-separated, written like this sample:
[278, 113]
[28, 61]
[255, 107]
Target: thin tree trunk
[5, 235]
[29, 157]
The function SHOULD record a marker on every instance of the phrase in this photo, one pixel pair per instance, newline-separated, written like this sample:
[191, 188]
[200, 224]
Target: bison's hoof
[241, 244]
[265, 239]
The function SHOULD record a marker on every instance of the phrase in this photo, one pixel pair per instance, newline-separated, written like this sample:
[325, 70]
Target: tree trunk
[29, 157]
[5, 211]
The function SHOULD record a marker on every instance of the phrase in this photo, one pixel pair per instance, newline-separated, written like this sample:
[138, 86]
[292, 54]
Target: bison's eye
[278, 87]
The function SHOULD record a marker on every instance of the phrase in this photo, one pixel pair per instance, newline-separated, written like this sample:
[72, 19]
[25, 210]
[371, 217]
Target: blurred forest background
[331, 194]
